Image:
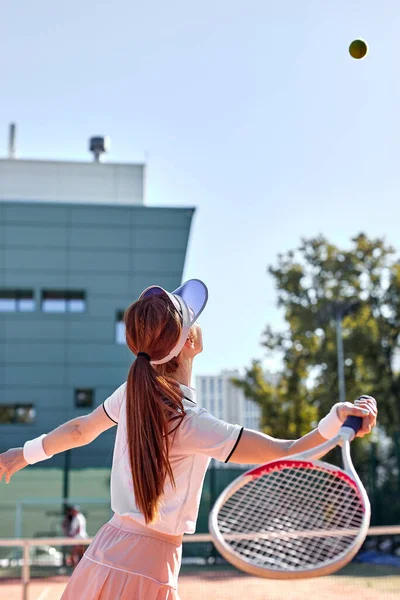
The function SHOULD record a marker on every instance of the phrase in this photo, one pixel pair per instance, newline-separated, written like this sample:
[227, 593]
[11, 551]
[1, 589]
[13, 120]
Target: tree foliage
[312, 282]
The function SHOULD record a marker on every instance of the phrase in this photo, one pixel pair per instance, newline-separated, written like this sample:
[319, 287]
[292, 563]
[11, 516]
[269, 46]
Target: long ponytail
[154, 400]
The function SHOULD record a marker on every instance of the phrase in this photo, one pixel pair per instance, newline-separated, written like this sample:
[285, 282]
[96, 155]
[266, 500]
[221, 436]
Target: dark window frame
[64, 295]
[119, 318]
[79, 404]
[15, 420]
[18, 295]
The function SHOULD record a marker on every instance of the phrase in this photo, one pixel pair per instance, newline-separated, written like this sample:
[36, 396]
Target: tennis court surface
[374, 575]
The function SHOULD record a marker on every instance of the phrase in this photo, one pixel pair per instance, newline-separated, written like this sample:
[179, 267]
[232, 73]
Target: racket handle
[355, 423]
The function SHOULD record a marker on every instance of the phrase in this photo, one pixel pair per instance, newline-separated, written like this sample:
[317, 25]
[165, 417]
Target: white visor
[189, 300]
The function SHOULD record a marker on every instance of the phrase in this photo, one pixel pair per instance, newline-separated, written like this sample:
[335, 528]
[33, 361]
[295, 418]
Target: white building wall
[75, 182]
[218, 395]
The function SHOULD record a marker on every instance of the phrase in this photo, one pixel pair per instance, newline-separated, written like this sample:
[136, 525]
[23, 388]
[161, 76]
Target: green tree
[286, 411]
[310, 281]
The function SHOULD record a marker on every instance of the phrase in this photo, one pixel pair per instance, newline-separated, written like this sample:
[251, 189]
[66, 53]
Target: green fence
[42, 515]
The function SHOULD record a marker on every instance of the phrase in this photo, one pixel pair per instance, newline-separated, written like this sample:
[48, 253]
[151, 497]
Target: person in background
[66, 526]
[77, 531]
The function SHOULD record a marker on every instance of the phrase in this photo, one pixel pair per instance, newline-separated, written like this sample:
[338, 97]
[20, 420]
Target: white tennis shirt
[199, 437]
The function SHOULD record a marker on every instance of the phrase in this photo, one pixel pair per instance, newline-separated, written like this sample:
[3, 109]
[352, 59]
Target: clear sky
[253, 112]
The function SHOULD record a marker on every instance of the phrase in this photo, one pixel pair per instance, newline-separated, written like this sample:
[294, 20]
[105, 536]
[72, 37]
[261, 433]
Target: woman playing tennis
[163, 446]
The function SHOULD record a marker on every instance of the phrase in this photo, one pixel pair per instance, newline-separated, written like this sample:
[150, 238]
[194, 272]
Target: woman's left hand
[368, 403]
[11, 462]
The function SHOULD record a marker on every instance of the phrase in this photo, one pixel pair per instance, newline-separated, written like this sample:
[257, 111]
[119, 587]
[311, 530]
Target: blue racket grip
[354, 422]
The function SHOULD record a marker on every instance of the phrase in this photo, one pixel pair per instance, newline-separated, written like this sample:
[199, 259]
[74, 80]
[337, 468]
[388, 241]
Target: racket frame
[343, 438]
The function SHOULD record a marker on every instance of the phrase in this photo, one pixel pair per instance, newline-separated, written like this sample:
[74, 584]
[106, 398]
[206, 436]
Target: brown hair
[154, 399]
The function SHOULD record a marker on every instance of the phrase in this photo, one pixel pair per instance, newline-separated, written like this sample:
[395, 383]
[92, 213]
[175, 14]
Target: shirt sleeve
[112, 406]
[202, 433]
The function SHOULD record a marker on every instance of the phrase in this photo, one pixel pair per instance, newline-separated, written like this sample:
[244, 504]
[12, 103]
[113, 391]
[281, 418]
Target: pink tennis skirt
[127, 561]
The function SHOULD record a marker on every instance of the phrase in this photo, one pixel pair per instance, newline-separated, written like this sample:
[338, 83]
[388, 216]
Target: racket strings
[292, 518]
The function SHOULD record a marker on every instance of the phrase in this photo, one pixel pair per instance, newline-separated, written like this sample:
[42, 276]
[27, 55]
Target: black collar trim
[192, 401]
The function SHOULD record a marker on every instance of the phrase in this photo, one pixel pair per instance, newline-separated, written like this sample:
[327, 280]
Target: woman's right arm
[255, 448]
[72, 434]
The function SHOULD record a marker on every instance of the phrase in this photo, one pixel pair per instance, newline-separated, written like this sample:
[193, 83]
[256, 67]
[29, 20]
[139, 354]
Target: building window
[220, 385]
[15, 414]
[17, 300]
[119, 327]
[61, 301]
[204, 386]
[212, 406]
[84, 398]
[212, 386]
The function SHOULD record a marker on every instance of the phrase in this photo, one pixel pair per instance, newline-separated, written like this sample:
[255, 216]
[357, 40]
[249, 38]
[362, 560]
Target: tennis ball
[358, 49]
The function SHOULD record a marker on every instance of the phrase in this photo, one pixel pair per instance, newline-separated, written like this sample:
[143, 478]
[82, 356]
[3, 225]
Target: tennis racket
[295, 517]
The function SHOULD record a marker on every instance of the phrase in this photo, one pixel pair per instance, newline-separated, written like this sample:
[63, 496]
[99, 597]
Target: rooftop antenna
[99, 145]
[12, 133]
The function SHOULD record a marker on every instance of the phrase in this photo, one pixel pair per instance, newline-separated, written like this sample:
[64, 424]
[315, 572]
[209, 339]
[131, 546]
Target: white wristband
[34, 451]
[330, 425]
